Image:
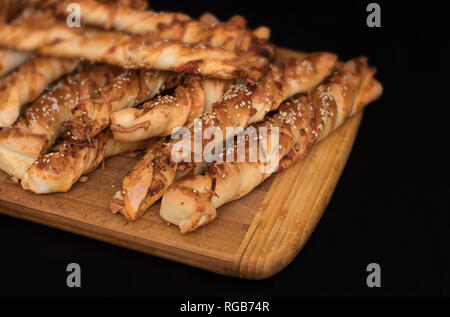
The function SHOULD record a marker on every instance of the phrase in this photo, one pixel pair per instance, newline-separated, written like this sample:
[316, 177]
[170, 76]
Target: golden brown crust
[172, 26]
[149, 175]
[128, 52]
[58, 171]
[11, 59]
[166, 113]
[198, 196]
[18, 150]
[370, 91]
[46, 114]
[43, 118]
[122, 18]
[302, 123]
[247, 103]
[241, 105]
[127, 89]
[297, 75]
[135, 4]
[28, 83]
[30, 145]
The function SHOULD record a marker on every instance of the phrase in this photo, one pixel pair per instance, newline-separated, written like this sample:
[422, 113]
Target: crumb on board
[83, 179]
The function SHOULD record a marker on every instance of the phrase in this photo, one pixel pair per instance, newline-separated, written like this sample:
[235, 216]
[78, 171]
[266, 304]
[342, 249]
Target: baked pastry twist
[58, 171]
[169, 25]
[370, 90]
[166, 113]
[146, 182]
[121, 18]
[192, 201]
[28, 83]
[241, 105]
[135, 4]
[20, 146]
[10, 60]
[128, 52]
[127, 89]
[37, 130]
[276, 85]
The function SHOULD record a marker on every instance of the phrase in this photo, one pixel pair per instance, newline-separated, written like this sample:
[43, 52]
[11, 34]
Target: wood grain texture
[254, 237]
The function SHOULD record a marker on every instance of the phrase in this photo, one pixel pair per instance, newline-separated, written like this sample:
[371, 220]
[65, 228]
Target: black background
[390, 206]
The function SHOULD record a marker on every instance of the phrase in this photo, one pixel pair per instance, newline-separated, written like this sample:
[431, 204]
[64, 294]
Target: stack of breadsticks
[131, 79]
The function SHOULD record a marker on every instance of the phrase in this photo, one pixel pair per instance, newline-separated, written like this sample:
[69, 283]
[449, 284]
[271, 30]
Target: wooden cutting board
[254, 237]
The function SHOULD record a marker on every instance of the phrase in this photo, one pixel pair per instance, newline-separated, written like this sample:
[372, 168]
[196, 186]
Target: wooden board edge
[264, 266]
[254, 266]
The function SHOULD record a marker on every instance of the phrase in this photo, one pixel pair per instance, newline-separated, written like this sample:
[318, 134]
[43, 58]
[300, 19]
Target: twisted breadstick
[240, 106]
[121, 18]
[18, 150]
[292, 116]
[128, 89]
[10, 60]
[27, 84]
[171, 26]
[191, 202]
[135, 4]
[41, 124]
[140, 124]
[58, 171]
[150, 177]
[34, 76]
[166, 113]
[127, 52]
[277, 85]
[370, 90]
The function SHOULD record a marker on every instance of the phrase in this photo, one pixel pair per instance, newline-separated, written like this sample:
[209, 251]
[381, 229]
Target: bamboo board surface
[254, 237]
